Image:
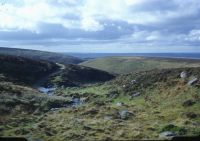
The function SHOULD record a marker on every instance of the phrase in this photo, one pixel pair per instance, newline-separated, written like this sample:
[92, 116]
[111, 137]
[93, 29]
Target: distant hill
[22, 70]
[123, 65]
[41, 55]
[26, 71]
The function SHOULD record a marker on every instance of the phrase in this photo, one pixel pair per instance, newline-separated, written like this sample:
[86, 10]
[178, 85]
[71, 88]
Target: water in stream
[50, 92]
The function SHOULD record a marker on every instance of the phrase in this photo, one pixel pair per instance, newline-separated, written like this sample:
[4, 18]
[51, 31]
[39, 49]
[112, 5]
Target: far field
[123, 65]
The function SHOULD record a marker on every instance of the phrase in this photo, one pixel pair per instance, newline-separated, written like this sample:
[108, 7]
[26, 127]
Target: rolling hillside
[155, 104]
[40, 55]
[123, 65]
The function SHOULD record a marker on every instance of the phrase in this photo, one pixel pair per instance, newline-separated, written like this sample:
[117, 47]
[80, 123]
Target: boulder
[167, 134]
[183, 74]
[192, 81]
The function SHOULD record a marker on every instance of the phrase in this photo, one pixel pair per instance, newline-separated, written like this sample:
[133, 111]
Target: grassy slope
[41, 55]
[160, 104]
[135, 64]
[22, 70]
[16, 99]
[75, 75]
[17, 74]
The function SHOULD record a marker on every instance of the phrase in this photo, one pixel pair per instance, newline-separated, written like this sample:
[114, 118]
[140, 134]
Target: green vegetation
[123, 65]
[75, 75]
[24, 71]
[15, 99]
[40, 55]
[133, 106]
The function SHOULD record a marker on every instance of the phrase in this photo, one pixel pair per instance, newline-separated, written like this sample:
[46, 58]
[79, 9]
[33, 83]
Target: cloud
[194, 35]
[89, 24]
[129, 22]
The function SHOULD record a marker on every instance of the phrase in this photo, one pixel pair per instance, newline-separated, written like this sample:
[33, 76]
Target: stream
[50, 90]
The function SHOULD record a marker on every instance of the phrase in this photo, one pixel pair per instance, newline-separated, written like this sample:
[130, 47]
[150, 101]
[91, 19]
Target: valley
[145, 98]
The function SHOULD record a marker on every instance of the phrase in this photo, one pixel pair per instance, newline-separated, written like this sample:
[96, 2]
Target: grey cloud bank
[101, 25]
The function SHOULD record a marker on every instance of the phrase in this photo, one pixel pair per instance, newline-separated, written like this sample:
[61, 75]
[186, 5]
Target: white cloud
[194, 35]
[29, 13]
[150, 21]
[90, 24]
[146, 36]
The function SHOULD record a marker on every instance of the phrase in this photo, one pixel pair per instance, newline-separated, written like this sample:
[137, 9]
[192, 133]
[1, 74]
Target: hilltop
[124, 65]
[40, 55]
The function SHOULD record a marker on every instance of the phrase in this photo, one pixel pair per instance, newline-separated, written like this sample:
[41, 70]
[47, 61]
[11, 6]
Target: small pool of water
[76, 102]
[49, 91]
[73, 103]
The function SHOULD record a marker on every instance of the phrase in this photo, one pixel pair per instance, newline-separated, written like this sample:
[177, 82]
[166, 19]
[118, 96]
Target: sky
[114, 26]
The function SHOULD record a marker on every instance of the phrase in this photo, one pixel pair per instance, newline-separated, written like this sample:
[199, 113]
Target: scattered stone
[183, 74]
[167, 134]
[108, 117]
[124, 114]
[176, 129]
[83, 99]
[124, 86]
[133, 81]
[120, 104]
[111, 96]
[136, 94]
[188, 103]
[192, 81]
[54, 109]
[191, 115]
